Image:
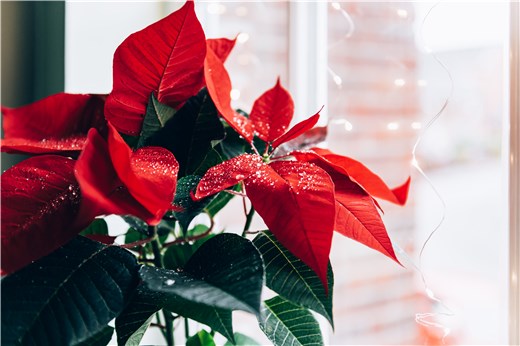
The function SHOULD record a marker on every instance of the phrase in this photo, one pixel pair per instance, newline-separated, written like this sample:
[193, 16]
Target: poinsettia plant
[164, 147]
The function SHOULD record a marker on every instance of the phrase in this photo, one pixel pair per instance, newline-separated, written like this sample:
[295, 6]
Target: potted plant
[164, 147]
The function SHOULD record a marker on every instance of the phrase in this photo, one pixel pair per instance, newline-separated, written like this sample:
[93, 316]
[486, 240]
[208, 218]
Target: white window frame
[514, 175]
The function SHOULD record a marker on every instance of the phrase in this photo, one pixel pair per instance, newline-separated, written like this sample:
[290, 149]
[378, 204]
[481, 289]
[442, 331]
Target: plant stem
[156, 248]
[249, 218]
[187, 328]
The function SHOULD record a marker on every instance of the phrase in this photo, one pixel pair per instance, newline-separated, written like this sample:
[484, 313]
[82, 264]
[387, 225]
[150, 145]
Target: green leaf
[176, 256]
[136, 223]
[213, 158]
[233, 264]
[191, 132]
[156, 117]
[285, 323]
[233, 144]
[130, 140]
[202, 338]
[242, 340]
[133, 322]
[191, 209]
[99, 339]
[288, 276]
[97, 227]
[146, 302]
[132, 236]
[225, 272]
[220, 201]
[68, 296]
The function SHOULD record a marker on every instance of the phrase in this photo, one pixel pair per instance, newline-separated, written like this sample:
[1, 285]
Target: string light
[346, 124]
[402, 13]
[399, 82]
[335, 77]
[242, 38]
[336, 6]
[416, 125]
[393, 126]
[217, 9]
[235, 94]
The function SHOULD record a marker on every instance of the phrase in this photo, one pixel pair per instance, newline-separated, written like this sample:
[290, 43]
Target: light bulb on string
[335, 77]
[243, 37]
[393, 126]
[235, 94]
[402, 13]
[399, 82]
[217, 9]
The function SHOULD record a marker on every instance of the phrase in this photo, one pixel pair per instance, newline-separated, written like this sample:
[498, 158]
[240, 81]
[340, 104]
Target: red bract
[57, 123]
[272, 113]
[222, 47]
[40, 200]
[297, 130]
[357, 216]
[115, 180]
[295, 199]
[165, 58]
[359, 173]
[219, 88]
[356, 210]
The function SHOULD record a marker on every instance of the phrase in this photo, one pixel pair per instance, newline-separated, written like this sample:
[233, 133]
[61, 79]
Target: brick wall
[370, 118]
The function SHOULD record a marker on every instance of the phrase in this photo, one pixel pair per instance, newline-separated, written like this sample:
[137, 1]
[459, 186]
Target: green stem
[157, 257]
[249, 218]
[187, 328]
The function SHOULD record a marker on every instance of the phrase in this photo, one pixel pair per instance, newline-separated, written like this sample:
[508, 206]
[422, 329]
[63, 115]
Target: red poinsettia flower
[305, 198]
[115, 180]
[295, 199]
[57, 123]
[174, 72]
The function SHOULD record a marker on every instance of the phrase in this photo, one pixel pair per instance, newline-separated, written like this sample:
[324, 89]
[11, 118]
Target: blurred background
[384, 71]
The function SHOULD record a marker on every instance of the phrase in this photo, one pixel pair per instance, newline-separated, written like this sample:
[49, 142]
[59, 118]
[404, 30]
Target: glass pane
[392, 68]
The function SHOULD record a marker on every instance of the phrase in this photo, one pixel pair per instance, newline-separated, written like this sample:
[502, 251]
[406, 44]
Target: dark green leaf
[285, 323]
[202, 338]
[132, 236]
[98, 227]
[176, 256]
[232, 263]
[137, 224]
[68, 296]
[156, 117]
[259, 144]
[213, 158]
[288, 276]
[100, 339]
[130, 140]
[233, 144]
[190, 134]
[242, 340]
[132, 323]
[191, 209]
[146, 302]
